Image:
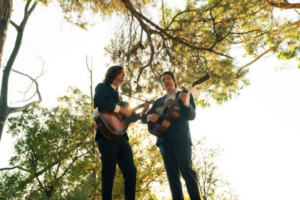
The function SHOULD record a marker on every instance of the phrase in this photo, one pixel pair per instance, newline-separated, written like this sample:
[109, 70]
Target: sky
[257, 130]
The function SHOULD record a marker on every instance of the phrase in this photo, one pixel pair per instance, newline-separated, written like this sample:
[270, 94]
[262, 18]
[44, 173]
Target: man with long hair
[115, 151]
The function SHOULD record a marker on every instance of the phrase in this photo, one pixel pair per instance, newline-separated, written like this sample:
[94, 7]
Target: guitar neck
[174, 102]
[141, 106]
[137, 107]
[201, 80]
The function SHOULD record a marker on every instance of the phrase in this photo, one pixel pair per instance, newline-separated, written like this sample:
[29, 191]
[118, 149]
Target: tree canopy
[196, 39]
[193, 40]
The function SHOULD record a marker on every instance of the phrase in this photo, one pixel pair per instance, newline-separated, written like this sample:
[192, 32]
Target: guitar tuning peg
[184, 89]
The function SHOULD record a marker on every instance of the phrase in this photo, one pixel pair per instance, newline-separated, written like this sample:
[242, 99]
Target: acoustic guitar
[169, 112]
[114, 125]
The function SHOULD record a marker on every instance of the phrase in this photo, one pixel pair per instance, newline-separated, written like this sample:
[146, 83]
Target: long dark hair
[112, 73]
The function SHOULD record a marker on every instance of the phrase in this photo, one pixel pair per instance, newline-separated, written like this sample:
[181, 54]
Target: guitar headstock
[201, 80]
[184, 90]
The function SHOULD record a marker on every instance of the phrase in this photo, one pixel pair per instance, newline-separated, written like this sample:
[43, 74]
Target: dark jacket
[179, 130]
[106, 98]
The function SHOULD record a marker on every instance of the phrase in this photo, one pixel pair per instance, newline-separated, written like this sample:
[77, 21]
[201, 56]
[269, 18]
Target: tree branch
[14, 25]
[141, 18]
[17, 109]
[287, 32]
[285, 5]
[261, 55]
[15, 167]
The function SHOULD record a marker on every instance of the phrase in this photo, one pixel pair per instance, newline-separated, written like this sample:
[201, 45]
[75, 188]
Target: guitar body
[113, 125]
[169, 112]
[110, 124]
[167, 115]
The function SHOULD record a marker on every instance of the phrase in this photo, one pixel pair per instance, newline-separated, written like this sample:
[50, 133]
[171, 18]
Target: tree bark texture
[5, 13]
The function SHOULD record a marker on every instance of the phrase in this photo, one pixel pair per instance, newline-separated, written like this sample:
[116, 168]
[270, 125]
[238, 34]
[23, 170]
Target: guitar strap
[177, 105]
[119, 97]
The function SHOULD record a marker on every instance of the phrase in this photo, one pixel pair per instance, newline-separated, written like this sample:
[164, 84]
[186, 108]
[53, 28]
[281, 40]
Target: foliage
[53, 149]
[150, 167]
[78, 12]
[197, 39]
[212, 184]
[56, 156]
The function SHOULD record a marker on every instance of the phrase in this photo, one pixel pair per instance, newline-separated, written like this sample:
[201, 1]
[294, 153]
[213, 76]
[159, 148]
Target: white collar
[172, 95]
[113, 86]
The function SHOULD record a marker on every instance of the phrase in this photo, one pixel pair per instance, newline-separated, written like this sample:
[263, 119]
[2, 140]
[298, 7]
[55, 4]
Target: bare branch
[32, 7]
[29, 87]
[18, 109]
[29, 98]
[26, 9]
[87, 64]
[163, 12]
[90, 69]
[14, 25]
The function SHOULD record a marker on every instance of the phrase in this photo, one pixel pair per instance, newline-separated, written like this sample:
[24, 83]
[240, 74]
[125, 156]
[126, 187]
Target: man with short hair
[175, 144]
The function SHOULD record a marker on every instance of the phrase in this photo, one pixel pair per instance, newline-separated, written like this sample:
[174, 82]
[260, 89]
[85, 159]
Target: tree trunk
[3, 116]
[5, 13]
[4, 109]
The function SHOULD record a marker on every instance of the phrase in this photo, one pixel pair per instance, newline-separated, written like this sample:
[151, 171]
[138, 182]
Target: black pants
[177, 159]
[117, 152]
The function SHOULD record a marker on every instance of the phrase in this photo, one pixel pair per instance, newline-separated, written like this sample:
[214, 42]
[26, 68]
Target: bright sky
[258, 130]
